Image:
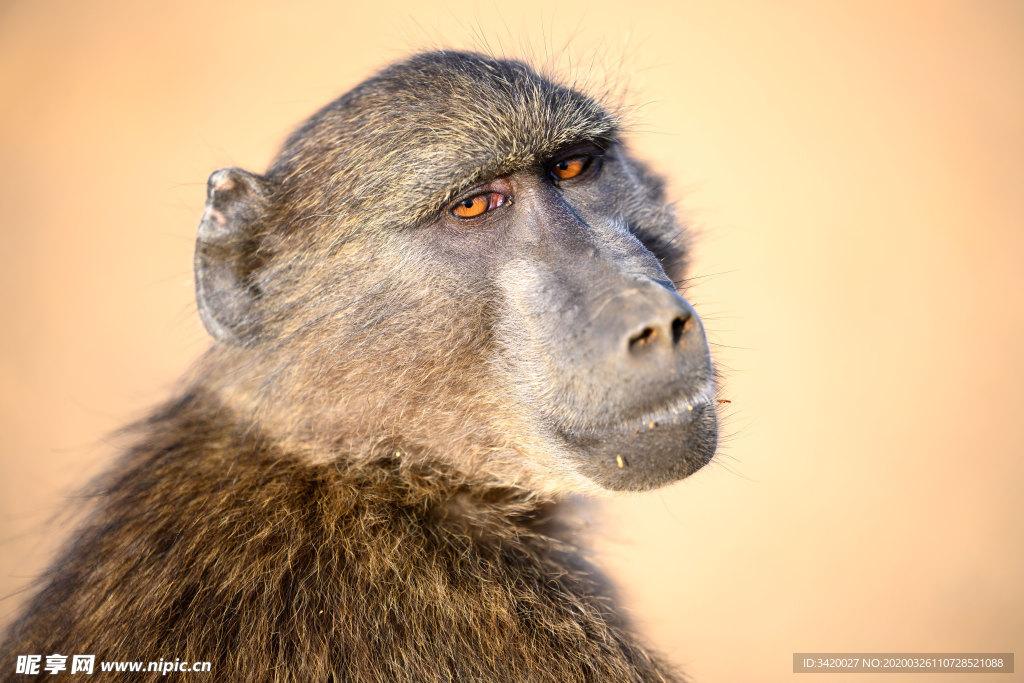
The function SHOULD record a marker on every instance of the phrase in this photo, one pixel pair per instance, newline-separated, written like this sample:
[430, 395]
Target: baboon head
[459, 259]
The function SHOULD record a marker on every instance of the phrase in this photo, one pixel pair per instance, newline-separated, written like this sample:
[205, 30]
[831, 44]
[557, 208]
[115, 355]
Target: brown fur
[212, 544]
[346, 490]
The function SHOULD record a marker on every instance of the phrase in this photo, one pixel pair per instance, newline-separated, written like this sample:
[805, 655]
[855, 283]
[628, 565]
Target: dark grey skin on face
[613, 359]
[584, 327]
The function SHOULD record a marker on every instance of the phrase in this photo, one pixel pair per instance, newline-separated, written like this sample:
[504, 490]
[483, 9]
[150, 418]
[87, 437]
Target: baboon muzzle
[629, 378]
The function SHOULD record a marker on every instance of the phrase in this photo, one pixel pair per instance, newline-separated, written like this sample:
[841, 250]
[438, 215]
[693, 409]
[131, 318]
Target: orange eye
[477, 205]
[569, 168]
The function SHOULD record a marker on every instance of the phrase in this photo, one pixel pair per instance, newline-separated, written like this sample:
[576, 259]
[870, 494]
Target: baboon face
[461, 256]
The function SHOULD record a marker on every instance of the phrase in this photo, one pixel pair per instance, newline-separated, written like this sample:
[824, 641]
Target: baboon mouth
[660, 447]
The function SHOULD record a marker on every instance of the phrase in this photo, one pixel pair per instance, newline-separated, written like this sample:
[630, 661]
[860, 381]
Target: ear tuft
[226, 261]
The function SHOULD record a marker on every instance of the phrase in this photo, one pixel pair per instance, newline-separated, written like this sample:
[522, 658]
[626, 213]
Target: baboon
[449, 304]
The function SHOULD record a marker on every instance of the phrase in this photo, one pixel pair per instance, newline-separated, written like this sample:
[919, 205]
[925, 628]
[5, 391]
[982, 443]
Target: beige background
[856, 171]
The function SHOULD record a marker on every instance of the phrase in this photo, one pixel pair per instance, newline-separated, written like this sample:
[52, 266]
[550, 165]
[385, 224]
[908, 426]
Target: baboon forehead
[424, 129]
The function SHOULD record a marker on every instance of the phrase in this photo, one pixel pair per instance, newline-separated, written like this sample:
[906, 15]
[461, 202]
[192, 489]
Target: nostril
[643, 338]
[679, 327]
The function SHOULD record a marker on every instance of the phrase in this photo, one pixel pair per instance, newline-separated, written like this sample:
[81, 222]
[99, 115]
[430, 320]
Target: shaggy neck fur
[221, 544]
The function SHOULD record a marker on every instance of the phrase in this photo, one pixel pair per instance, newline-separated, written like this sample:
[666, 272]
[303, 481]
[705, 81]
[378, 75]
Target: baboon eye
[474, 206]
[570, 168]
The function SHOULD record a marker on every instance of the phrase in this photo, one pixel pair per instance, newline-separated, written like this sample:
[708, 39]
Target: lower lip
[647, 453]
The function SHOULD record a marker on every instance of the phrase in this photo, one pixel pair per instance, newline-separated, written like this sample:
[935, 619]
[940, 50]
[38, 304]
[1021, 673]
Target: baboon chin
[450, 299]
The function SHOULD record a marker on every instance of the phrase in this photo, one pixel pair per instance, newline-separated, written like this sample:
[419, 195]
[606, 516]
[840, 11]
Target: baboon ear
[226, 258]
